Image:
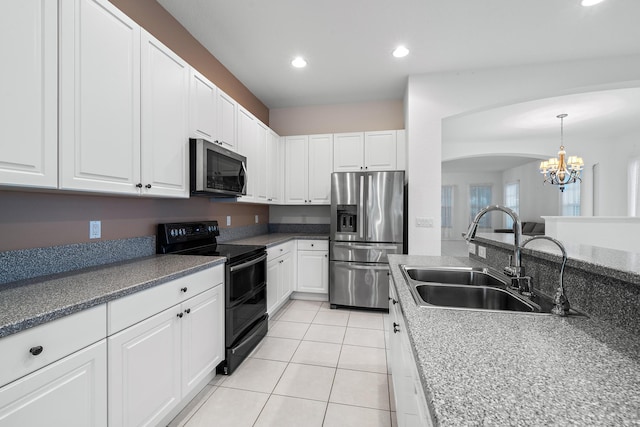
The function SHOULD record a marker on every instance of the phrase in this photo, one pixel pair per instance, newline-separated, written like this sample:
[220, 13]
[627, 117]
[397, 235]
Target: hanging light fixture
[561, 171]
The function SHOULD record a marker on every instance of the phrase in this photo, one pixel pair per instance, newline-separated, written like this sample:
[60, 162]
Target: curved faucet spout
[561, 305]
[514, 270]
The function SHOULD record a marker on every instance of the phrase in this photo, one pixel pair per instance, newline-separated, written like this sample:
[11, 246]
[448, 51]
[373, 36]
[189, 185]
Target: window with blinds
[512, 201]
[479, 198]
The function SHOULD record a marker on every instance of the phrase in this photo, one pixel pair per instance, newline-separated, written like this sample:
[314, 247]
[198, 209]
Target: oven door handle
[247, 264]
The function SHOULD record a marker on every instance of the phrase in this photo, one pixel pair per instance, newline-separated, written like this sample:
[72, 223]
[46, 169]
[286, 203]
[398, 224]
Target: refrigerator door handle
[355, 266]
[369, 208]
[361, 209]
[352, 246]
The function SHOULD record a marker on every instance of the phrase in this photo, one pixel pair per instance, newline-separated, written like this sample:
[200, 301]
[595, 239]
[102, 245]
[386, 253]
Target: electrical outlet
[482, 252]
[228, 220]
[472, 248]
[256, 219]
[95, 229]
[424, 222]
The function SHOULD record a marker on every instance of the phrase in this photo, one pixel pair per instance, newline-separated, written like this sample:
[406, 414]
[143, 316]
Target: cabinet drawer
[284, 248]
[58, 339]
[134, 308]
[313, 245]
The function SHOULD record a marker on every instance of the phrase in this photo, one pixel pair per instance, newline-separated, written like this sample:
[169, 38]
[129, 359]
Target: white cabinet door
[144, 370]
[99, 114]
[274, 168]
[273, 284]
[247, 135]
[380, 150]
[287, 277]
[29, 88]
[165, 103]
[320, 155]
[202, 107]
[296, 161]
[313, 271]
[71, 392]
[227, 110]
[260, 162]
[348, 149]
[202, 336]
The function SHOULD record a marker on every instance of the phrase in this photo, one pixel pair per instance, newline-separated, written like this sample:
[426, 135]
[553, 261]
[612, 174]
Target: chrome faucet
[561, 305]
[515, 270]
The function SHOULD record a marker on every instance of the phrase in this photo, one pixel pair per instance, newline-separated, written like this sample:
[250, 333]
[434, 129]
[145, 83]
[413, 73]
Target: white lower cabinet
[157, 364]
[280, 275]
[313, 266]
[55, 374]
[70, 392]
[411, 405]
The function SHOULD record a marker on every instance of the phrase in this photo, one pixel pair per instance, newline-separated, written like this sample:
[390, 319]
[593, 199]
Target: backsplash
[28, 263]
[235, 233]
[601, 296]
[299, 228]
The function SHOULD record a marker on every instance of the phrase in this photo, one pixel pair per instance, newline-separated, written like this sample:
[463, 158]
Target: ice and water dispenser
[347, 218]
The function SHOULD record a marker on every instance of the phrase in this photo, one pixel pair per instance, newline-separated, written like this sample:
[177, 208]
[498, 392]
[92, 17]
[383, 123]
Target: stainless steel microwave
[215, 171]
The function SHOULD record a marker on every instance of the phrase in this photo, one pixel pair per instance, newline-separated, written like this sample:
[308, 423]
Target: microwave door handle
[246, 178]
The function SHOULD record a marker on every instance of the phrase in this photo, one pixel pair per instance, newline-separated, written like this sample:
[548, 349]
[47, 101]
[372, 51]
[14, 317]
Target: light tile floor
[316, 367]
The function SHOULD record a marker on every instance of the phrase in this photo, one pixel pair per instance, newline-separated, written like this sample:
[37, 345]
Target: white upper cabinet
[359, 151]
[165, 134]
[202, 110]
[320, 168]
[380, 150]
[29, 92]
[227, 111]
[308, 166]
[123, 105]
[260, 161]
[348, 151]
[99, 98]
[247, 142]
[275, 175]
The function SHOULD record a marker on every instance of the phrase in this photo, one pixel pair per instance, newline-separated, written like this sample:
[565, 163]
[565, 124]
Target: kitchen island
[495, 368]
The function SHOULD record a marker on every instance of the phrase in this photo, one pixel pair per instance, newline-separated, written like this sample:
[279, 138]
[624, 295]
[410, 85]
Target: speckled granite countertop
[273, 239]
[622, 265]
[29, 303]
[503, 369]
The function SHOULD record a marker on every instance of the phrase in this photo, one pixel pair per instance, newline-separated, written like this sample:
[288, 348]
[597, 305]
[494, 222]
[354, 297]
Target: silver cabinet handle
[352, 246]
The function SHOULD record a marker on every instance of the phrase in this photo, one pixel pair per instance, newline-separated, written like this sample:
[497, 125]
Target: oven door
[244, 277]
[216, 171]
[243, 314]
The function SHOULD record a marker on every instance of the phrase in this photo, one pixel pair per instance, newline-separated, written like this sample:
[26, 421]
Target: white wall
[536, 199]
[433, 97]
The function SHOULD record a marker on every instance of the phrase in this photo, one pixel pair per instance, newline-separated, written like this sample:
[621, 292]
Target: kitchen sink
[470, 288]
[472, 297]
[456, 276]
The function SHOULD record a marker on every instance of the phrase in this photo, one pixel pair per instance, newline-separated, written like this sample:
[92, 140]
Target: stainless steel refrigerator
[367, 224]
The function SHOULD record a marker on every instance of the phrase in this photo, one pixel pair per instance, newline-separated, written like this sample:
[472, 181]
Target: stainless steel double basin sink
[468, 288]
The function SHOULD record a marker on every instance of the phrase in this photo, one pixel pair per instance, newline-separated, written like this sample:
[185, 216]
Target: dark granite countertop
[618, 264]
[273, 239]
[28, 303]
[498, 369]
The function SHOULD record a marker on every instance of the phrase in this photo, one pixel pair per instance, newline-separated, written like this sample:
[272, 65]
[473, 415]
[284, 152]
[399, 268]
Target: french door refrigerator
[367, 224]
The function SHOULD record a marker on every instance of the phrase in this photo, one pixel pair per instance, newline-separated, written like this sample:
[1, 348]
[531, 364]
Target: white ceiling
[348, 44]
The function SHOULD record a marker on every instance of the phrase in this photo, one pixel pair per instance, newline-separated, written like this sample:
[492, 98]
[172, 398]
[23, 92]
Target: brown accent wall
[34, 220]
[157, 21]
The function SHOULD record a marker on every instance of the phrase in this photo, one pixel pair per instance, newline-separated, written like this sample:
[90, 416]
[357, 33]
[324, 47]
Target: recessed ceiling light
[299, 62]
[400, 52]
[590, 2]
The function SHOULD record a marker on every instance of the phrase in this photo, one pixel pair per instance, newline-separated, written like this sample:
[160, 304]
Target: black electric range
[245, 288]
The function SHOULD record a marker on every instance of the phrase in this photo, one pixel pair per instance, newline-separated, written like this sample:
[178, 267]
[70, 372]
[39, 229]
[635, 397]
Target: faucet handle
[523, 285]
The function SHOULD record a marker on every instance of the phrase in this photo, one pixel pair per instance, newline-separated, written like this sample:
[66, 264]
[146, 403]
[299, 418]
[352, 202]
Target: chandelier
[561, 171]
